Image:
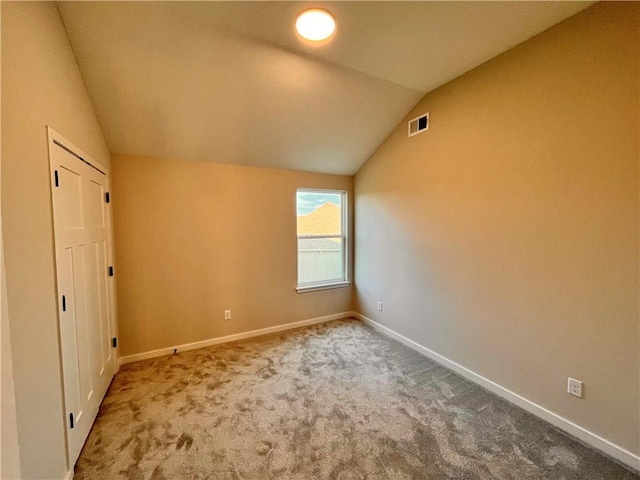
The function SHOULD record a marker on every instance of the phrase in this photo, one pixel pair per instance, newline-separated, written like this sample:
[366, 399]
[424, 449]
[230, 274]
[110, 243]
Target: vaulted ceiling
[230, 82]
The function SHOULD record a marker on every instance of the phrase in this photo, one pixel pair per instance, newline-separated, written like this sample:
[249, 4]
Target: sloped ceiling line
[229, 82]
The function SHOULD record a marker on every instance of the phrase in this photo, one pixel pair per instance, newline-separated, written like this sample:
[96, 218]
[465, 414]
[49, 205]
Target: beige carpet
[334, 401]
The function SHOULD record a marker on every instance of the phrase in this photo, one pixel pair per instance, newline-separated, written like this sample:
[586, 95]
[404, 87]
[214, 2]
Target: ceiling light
[315, 24]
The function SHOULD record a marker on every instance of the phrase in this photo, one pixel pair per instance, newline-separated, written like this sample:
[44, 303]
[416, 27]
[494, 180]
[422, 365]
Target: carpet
[333, 401]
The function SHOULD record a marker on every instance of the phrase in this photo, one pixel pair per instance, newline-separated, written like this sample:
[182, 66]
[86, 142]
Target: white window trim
[337, 282]
[326, 286]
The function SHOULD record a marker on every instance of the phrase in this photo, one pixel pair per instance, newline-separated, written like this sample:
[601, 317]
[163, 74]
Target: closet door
[82, 244]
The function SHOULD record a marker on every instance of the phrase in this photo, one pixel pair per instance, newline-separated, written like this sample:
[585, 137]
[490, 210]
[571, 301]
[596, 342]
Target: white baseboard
[562, 423]
[231, 338]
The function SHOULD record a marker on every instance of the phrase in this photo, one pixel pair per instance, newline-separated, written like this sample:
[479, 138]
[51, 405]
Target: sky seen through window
[308, 201]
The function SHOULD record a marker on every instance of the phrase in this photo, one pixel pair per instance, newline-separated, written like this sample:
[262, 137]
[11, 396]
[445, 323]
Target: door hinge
[71, 423]
[64, 303]
[55, 175]
[111, 271]
[106, 197]
[114, 342]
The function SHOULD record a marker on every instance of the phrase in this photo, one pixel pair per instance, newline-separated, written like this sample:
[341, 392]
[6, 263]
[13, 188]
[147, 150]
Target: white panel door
[82, 241]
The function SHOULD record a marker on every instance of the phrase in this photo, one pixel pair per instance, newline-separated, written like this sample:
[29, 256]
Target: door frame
[55, 140]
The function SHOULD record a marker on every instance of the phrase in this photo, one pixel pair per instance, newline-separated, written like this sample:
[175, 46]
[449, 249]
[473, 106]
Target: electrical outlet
[379, 306]
[574, 387]
[227, 314]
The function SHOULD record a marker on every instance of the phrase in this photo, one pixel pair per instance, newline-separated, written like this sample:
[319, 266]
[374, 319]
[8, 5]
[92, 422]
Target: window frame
[344, 223]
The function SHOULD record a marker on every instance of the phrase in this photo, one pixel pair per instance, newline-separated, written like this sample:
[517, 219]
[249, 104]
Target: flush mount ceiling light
[315, 24]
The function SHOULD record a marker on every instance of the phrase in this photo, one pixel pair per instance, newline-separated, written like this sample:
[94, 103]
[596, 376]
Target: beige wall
[195, 238]
[506, 237]
[502, 238]
[9, 450]
[41, 85]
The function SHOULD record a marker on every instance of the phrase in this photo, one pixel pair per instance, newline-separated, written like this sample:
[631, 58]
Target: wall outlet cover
[574, 387]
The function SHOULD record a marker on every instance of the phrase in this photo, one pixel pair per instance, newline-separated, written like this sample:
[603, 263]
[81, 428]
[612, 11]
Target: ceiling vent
[419, 124]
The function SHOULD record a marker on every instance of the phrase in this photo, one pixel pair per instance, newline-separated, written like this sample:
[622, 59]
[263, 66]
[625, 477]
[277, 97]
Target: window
[322, 239]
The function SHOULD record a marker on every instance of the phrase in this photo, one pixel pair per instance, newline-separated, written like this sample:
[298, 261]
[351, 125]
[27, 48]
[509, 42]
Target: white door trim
[57, 141]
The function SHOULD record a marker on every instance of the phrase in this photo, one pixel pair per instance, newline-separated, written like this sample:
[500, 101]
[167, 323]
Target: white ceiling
[230, 82]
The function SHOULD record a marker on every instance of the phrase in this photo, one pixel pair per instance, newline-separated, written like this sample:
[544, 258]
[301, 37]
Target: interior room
[308, 240]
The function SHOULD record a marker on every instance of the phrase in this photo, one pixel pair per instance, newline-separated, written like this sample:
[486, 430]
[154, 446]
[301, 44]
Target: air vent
[419, 124]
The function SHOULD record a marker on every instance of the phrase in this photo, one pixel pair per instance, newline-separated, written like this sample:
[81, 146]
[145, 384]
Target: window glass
[321, 237]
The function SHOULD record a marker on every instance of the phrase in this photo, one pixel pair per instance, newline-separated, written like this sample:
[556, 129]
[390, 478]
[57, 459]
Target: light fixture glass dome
[315, 24]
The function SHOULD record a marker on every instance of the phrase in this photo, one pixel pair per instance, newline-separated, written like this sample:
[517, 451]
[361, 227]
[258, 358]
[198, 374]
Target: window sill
[326, 286]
